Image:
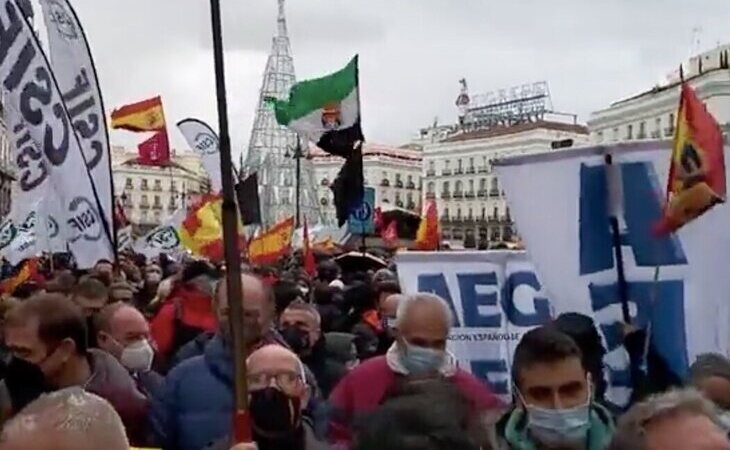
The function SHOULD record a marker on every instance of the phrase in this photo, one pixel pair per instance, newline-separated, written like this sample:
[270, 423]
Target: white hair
[72, 418]
[405, 304]
[632, 427]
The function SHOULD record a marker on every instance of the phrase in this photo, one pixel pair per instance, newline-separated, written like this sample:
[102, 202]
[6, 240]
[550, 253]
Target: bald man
[278, 393]
[195, 404]
[418, 354]
[68, 419]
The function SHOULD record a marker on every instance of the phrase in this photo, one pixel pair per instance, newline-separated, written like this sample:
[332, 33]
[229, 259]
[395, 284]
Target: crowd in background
[140, 353]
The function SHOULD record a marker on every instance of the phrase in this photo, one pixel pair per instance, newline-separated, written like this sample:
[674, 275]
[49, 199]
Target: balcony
[458, 171]
[470, 170]
[144, 187]
[482, 193]
[171, 207]
[411, 185]
[446, 172]
[470, 194]
[399, 184]
[641, 135]
[430, 173]
[656, 134]
[494, 192]
[157, 188]
[446, 195]
[458, 194]
[385, 182]
[144, 206]
[430, 195]
[669, 131]
[411, 205]
[483, 169]
[399, 203]
[157, 206]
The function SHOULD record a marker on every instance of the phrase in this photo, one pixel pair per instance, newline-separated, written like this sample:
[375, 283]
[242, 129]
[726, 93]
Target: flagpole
[241, 419]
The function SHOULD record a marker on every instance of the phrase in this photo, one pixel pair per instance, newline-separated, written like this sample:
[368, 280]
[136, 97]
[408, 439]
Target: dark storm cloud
[413, 52]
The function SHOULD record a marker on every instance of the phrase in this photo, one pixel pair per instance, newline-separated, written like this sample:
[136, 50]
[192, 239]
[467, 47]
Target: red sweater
[362, 390]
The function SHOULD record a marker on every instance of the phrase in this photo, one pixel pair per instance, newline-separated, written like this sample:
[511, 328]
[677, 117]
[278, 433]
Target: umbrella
[359, 261]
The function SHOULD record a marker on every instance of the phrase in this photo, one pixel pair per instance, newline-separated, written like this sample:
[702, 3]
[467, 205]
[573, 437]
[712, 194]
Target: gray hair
[631, 432]
[72, 418]
[408, 301]
[709, 365]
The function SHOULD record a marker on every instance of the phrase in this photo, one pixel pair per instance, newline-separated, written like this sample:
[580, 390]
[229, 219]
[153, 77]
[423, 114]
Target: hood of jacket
[515, 431]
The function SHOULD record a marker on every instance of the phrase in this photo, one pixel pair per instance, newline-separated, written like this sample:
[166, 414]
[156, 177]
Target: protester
[286, 292]
[121, 291]
[104, 271]
[123, 332]
[62, 283]
[300, 326]
[47, 337]
[150, 285]
[187, 311]
[710, 374]
[195, 404]
[418, 354]
[328, 271]
[387, 308]
[437, 418]
[362, 319]
[68, 419]
[679, 419]
[278, 393]
[91, 295]
[553, 393]
[327, 300]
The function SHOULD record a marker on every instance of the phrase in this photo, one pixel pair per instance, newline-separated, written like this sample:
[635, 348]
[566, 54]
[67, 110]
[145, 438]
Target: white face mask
[725, 420]
[137, 357]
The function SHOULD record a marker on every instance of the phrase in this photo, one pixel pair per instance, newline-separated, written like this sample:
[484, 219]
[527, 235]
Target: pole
[241, 419]
[623, 287]
[298, 156]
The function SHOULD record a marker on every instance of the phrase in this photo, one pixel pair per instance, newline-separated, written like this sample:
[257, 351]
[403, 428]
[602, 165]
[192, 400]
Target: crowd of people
[139, 354]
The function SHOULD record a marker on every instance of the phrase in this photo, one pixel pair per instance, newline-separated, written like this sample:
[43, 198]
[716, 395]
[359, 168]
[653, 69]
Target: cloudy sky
[412, 52]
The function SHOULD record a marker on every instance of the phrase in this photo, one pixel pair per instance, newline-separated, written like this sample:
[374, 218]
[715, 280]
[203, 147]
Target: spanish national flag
[271, 245]
[202, 230]
[696, 179]
[427, 236]
[27, 272]
[146, 115]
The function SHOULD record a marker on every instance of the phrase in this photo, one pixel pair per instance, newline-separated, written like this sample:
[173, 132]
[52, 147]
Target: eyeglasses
[286, 380]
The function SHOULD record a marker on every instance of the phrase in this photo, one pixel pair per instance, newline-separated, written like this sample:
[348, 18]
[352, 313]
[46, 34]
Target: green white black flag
[325, 110]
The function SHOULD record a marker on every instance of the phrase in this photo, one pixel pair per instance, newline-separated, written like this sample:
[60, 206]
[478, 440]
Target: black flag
[348, 187]
[247, 193]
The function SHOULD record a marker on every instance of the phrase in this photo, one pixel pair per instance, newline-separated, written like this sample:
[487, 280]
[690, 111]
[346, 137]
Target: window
[173, 186]
[484, 213]
[471, 213]
[642, 130]
[143, 200]
[629, 132]
[144, 186]
[397, 177]
[431, 166]
[410, 178]
[483, 184]
[495, 184]
[458, 213]
[429, 187]
[471, 185]
[614, 136]
[446, 186]
[128, 184]
[157, 201]
[158, 185]
[670, 127]
[471, 162]
[657, 127]
[459, 164]
[599, 136]
[446, 212]
[457, 187]
[496, 212]
[447, 164]
[409, 196]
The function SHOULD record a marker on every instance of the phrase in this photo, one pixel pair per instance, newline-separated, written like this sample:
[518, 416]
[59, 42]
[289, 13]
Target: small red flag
[390, 235]
[378, 219]
[310, 265]
[155, 151]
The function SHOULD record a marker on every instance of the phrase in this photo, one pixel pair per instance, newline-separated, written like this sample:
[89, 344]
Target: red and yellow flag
[271, 245]
[146, 115]
[427, 236]
[308, 262]
[27, 272]
[696, 180]
[202, 229]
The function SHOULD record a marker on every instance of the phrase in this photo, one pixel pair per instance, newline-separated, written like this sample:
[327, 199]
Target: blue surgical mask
[420, 361]
[557, 426]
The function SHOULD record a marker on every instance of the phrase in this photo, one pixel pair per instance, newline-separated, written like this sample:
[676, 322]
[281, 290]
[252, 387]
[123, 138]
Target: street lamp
[297, 155]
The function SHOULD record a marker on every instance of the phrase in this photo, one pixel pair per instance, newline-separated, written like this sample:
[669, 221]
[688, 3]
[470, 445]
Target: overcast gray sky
[412, 52]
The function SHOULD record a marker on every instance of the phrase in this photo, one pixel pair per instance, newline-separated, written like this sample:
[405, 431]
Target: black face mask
[274, 414]
[298, 340]
[90, 332]
[25, 382]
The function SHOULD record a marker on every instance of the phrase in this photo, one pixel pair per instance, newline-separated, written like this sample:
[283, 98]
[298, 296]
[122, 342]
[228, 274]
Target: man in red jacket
[418, 354]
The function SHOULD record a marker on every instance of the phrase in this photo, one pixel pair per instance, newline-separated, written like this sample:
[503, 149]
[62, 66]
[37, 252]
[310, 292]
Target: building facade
[394, 173]
[150, 194]
[458, 175]
[651, 114]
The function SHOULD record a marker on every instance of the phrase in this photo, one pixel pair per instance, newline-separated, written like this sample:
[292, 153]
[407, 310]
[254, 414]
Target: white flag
[163, 239]
[44, 144]
[75, 73]
[204, 141]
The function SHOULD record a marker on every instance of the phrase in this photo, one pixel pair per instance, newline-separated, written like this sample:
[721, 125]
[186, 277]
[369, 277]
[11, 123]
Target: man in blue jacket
[194, 407]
